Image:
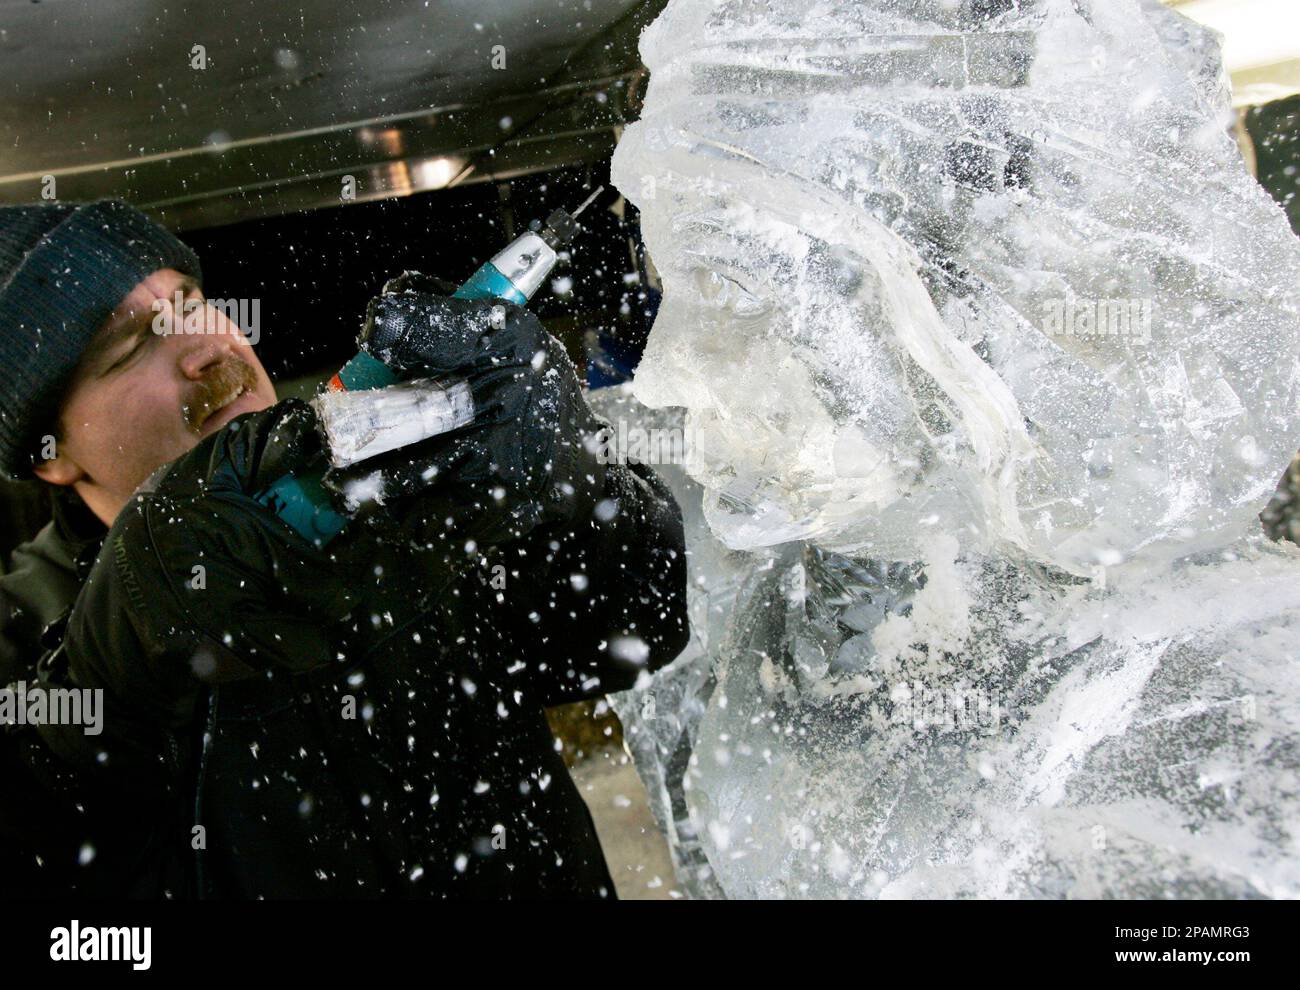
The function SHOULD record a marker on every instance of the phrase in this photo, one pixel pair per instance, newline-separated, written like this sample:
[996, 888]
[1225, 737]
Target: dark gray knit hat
[64, 268]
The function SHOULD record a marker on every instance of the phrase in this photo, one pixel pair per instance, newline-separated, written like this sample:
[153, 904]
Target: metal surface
[525, 262]
[106, 99]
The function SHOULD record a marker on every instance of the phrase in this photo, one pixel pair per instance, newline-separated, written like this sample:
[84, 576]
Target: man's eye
[136, 346]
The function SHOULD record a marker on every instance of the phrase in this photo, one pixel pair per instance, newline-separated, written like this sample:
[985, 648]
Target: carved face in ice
[777, 330]
[873, 265]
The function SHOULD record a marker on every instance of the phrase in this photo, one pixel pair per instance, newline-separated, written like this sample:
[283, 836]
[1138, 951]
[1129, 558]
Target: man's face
[140, 398]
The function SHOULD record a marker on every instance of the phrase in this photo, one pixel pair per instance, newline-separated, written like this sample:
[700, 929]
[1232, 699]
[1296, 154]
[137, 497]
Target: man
[282, 719]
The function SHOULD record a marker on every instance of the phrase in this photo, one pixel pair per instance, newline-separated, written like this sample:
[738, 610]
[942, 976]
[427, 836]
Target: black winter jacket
[424, 770]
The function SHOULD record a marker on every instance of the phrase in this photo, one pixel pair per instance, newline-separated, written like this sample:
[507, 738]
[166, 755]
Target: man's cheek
[151, 424]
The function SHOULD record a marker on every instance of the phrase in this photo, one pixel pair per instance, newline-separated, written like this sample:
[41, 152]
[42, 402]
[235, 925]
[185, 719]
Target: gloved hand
[196, 582]
[531, 455]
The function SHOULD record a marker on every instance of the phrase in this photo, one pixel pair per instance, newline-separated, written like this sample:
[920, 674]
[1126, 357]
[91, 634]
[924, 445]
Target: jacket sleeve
[35, 593]
[596, 603]
[197, 582]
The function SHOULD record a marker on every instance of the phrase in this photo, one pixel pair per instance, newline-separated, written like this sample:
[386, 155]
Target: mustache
[216, 389]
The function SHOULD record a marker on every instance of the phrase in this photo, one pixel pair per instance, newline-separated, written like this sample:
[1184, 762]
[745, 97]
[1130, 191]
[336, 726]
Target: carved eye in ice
[728, 294]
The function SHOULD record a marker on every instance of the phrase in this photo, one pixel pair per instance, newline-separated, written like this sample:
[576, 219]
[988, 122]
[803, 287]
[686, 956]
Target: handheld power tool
[408, 412]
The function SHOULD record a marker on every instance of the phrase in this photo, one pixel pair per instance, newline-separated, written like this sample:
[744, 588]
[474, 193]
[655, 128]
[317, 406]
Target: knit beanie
[64, 268]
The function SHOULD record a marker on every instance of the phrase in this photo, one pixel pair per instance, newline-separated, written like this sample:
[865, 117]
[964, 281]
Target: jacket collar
[78, 529]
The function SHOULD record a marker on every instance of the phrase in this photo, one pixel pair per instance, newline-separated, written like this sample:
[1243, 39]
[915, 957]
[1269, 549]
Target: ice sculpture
[988, 345]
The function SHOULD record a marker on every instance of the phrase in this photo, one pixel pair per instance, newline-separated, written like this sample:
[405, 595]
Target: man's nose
[200, 353]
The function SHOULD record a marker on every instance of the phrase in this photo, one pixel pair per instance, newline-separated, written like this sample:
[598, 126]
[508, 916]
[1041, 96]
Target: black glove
[531, 455]
[197, 582]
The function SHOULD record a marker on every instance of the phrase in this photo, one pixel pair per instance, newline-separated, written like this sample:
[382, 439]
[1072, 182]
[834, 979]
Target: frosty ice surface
[870, 220]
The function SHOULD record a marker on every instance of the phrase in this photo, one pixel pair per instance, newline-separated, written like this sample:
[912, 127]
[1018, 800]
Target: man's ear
[59, 469]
